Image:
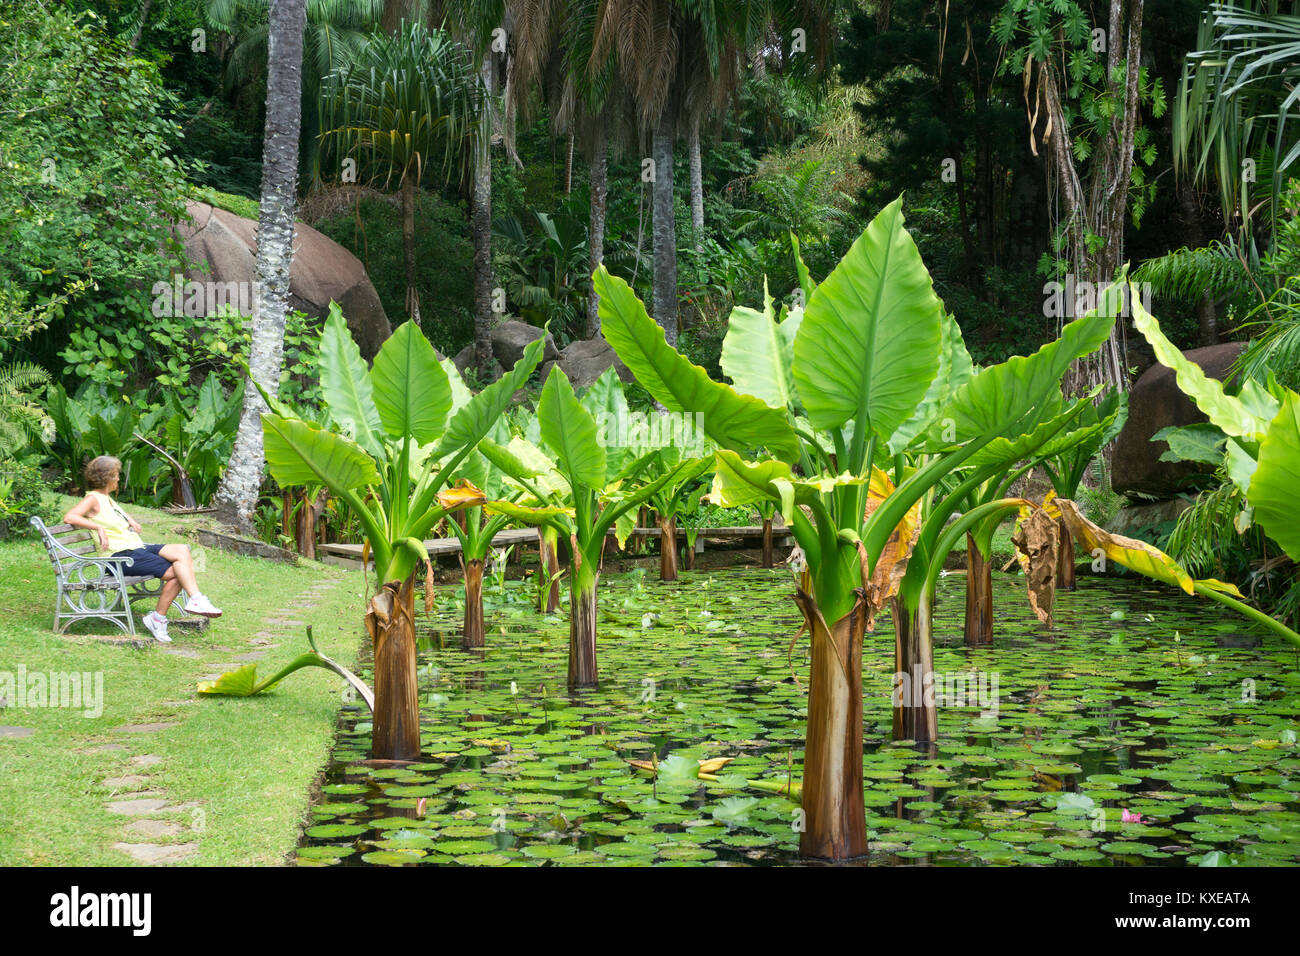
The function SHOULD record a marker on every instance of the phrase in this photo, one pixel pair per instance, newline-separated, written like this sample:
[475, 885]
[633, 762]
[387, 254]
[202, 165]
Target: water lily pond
[1144, 729]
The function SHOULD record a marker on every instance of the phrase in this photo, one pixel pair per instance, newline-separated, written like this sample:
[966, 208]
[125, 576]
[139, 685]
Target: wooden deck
[350, 554]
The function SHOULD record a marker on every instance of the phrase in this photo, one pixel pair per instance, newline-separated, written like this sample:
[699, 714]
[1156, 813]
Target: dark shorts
[148, 562]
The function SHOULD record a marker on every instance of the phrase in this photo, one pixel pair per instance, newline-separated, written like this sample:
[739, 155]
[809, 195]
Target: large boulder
[223, 248]
[585, 360]
[510, 337]
[1156, 402]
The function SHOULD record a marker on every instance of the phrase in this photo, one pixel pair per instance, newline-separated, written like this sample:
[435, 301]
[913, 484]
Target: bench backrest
[63, 542]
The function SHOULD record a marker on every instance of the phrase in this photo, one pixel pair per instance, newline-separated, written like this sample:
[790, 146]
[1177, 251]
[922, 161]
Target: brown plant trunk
[548, 565]
[472, 636]
[390, 622]
[305, 528]
[835, 823]
[582, 632]
[668, 549]
[690, 556]
[979, 596]
[768, 560]
[915, 717]
[1065, 559]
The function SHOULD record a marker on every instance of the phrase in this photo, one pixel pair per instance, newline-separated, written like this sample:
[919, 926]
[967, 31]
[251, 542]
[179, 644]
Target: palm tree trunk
[390, 622]
[596, 226]
[697, 185]
[236, 498]
[481, 226]
[835, 822]
[979, 596]
[408, 246]
[568, 166]
[664, 229]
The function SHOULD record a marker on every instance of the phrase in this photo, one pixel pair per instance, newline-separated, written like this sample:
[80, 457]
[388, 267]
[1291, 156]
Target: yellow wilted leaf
[1126, 552]
[643, 765]
[464, 495]
[714, 764]
[883, 582]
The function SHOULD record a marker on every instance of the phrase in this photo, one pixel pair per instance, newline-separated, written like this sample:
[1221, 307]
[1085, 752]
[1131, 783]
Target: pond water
[1146, 728]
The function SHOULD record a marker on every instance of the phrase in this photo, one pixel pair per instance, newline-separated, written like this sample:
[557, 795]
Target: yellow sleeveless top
[113, 521]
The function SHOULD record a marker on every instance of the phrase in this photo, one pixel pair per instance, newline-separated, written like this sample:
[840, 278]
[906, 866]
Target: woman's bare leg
[182, 565]
[171, 587]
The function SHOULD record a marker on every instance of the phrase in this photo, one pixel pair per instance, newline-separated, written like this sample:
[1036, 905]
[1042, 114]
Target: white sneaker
[198, 604]
[157, 627]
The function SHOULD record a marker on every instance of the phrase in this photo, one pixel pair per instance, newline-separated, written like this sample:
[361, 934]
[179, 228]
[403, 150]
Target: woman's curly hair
[101, 470]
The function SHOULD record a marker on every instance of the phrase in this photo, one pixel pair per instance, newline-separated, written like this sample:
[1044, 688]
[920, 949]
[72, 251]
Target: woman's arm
[79, 517]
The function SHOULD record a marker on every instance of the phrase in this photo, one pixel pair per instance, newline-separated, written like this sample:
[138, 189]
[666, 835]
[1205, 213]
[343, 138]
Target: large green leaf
[569, 430]
[1200, 442]
[955, 370]
[298, 453]
[731, 419]
[997, 397]
[1233, 416]
[869, 343]
[470, 423]
[1273, 489]
[345, 383]
[410, 388]
[758, 352]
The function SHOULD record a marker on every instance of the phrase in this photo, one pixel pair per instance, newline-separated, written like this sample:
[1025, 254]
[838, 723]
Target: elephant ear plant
[595, 496]
[860, 368]
[392, 445]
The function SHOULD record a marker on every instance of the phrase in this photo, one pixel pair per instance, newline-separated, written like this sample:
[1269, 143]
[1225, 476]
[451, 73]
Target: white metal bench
[90, 586]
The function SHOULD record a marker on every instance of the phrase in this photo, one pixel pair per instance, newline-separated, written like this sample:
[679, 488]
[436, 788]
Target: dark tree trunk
[979, 596]
[768, 558]
[390, 622]
[697, 184]
[835, 826]
[481, 227]
[309, 512]
[408, 246]
[1065, 558]
[236, 498]
[664, 229]
[690, 555]
[915, 717]
[668, 549]
[596, 225]
[472, 635]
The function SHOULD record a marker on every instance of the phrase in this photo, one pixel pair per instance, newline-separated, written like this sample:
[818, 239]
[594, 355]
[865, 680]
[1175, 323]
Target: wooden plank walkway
[438, 547]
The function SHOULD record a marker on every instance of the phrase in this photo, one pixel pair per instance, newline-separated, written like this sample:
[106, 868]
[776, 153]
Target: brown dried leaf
[883, 581]
[1038, 539]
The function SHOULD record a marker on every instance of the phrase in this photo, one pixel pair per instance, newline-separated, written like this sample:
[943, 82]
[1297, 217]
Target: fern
[1191, 273]
[20, 419]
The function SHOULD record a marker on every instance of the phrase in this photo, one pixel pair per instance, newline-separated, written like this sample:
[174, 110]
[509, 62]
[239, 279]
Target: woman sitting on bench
[118, 535]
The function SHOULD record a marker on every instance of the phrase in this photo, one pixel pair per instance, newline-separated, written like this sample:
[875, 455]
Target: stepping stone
[287, 623]
[104, 748]
[135, 808]
[128, 782]
[153, 854]
[154, 828]
[181, 652]
[218, 647]
[148, 728]
[146, 760]
[264, 642]
[251, 656]
[17, 731]
[261, 636]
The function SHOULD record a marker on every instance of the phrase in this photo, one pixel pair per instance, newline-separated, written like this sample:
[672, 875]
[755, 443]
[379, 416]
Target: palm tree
[236, 498]
[402, 103]
[1237, 94]
[335, 29]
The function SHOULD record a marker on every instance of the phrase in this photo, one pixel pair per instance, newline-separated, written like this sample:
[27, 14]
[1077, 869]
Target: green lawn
[237, 773]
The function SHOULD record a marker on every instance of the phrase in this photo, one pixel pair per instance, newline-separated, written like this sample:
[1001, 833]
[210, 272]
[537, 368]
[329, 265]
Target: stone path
[129, 792]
